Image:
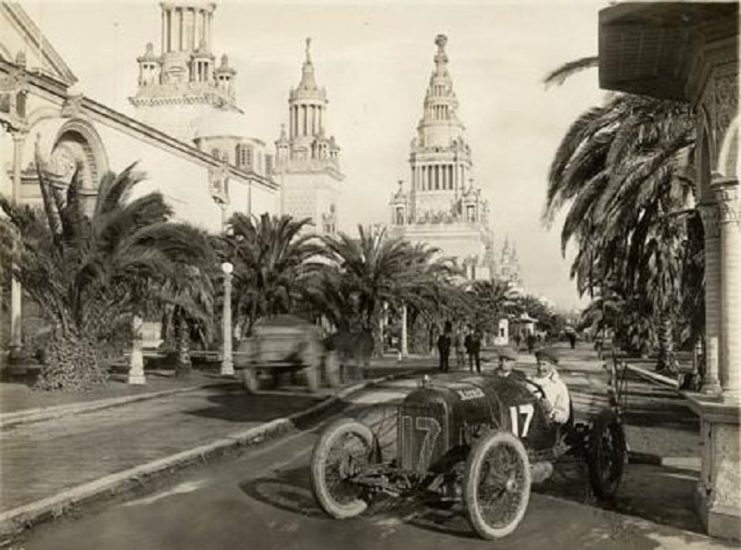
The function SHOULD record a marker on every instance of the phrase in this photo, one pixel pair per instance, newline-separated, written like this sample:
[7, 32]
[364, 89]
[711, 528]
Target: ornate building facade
[182, 85]
[307, 164]
[204, 177]
[442, 206]
[508, 267]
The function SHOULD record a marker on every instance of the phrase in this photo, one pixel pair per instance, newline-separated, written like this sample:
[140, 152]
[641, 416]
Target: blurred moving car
[286, 346]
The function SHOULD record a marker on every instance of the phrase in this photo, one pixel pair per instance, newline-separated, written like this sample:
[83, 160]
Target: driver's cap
[506, 352]
[548, 354]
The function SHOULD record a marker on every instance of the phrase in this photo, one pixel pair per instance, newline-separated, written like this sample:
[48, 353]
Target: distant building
[181, 85]
[442, 206]
[307, 160]
[189, 140]
[508, 267]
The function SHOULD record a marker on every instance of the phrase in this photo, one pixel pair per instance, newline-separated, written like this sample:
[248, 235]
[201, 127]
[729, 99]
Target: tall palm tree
[88, 273]
[492, 300]
[376, 269]
[273, 259]
[621, 169]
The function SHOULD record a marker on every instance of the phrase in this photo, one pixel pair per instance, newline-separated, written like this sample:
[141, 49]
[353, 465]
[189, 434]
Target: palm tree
[621, 169]
[375, 269]
[492, 300]
[89, 273]
[272, 260]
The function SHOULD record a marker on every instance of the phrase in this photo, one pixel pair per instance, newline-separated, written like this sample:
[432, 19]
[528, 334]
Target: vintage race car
[482, 439]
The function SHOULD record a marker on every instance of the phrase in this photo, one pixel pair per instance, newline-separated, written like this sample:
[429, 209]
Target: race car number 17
[526, 410]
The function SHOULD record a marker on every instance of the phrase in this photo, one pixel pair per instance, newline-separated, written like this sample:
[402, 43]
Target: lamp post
[227, 363]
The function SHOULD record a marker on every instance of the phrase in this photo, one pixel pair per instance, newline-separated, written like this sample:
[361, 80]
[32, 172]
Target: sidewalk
[663, 435]
[55, 460]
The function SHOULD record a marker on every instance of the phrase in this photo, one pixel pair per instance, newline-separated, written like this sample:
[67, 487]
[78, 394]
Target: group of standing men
[463, 342]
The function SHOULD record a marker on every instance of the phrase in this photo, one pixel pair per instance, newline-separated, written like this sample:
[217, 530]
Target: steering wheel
[538, 388]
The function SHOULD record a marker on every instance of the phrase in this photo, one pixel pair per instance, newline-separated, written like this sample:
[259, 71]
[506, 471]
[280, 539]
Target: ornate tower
[306, 160]
[182, 85]
[442, 206]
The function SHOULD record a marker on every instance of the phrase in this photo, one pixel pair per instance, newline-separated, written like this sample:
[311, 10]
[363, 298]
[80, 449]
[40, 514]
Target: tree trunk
[182, 361]
[71, 364]
[666, 360]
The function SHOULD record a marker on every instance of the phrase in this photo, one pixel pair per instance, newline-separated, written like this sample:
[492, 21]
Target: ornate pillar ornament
[218, 178]
[711, 225]
[726, 192]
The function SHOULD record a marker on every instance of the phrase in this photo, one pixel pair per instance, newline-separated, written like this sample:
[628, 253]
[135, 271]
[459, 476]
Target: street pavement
[262, 499]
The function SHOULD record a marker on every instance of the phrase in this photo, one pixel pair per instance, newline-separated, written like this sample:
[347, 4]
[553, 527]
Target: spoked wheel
[344, 449]
[606, 456]
[496, 488]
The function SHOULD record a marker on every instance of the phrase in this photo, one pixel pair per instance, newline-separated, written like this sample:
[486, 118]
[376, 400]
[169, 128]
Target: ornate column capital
[710, 216]
[726, 193]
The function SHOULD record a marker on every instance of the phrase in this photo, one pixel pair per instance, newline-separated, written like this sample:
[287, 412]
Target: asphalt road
[262, 500]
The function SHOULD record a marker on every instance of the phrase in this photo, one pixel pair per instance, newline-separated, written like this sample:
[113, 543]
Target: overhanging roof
[649, 48]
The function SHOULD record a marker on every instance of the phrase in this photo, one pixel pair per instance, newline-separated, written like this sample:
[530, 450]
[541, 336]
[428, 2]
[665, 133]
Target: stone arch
[728, 155]
[78, 141]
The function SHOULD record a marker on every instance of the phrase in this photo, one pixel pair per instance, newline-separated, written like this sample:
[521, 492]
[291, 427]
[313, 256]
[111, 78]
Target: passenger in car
[556, 399]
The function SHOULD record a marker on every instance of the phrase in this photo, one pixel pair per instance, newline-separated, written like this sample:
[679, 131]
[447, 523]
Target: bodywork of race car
[487, 437]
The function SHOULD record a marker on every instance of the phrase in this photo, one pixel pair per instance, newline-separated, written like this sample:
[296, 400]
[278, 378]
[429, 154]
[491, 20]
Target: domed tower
[307, 164]
[443, 207]
[181, 85]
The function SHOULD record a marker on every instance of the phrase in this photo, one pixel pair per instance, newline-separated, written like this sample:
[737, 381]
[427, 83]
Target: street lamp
[227, 363]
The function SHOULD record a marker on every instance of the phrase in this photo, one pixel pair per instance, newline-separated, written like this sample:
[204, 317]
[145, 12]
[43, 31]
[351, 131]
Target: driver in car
[507, 361]
[556, 400]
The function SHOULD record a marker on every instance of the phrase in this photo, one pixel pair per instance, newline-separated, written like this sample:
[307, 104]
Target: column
[193, 16]
[181, 40]
[711, 226]
[726, 192]
[227, 362]
[451, 175]
[404, 335]
[313, 120]
[16, 292]
[162, 35]
[321, 122]
[136, 362]
[443, 176]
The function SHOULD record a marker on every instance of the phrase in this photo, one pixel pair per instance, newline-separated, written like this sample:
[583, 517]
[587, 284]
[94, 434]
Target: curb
[13, 521]
[45, 413]
[653, 376]
[678, 462]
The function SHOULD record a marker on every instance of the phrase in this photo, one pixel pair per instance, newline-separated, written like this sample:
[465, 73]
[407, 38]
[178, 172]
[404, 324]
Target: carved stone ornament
[710, 219]
[218, 178]
[726, 103]
[726, 193]
[72, 106]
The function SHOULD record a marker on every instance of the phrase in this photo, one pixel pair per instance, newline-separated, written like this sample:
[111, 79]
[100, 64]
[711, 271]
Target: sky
[374, 59]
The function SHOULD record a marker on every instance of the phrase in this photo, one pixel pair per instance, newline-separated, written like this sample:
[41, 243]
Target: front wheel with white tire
[344, 449]
[496, 486]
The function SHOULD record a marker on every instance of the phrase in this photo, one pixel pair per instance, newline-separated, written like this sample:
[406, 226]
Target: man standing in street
[473, 348]
[460, 350]
[443, 347]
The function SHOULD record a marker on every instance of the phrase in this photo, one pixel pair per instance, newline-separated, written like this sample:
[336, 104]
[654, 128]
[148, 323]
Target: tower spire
[441, 58]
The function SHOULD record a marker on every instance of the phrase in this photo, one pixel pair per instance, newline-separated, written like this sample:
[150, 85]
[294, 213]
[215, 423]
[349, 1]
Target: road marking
[179, 489]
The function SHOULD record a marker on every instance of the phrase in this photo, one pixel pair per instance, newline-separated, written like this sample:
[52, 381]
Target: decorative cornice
[726, 193]
[33, 34]
[105, 115]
